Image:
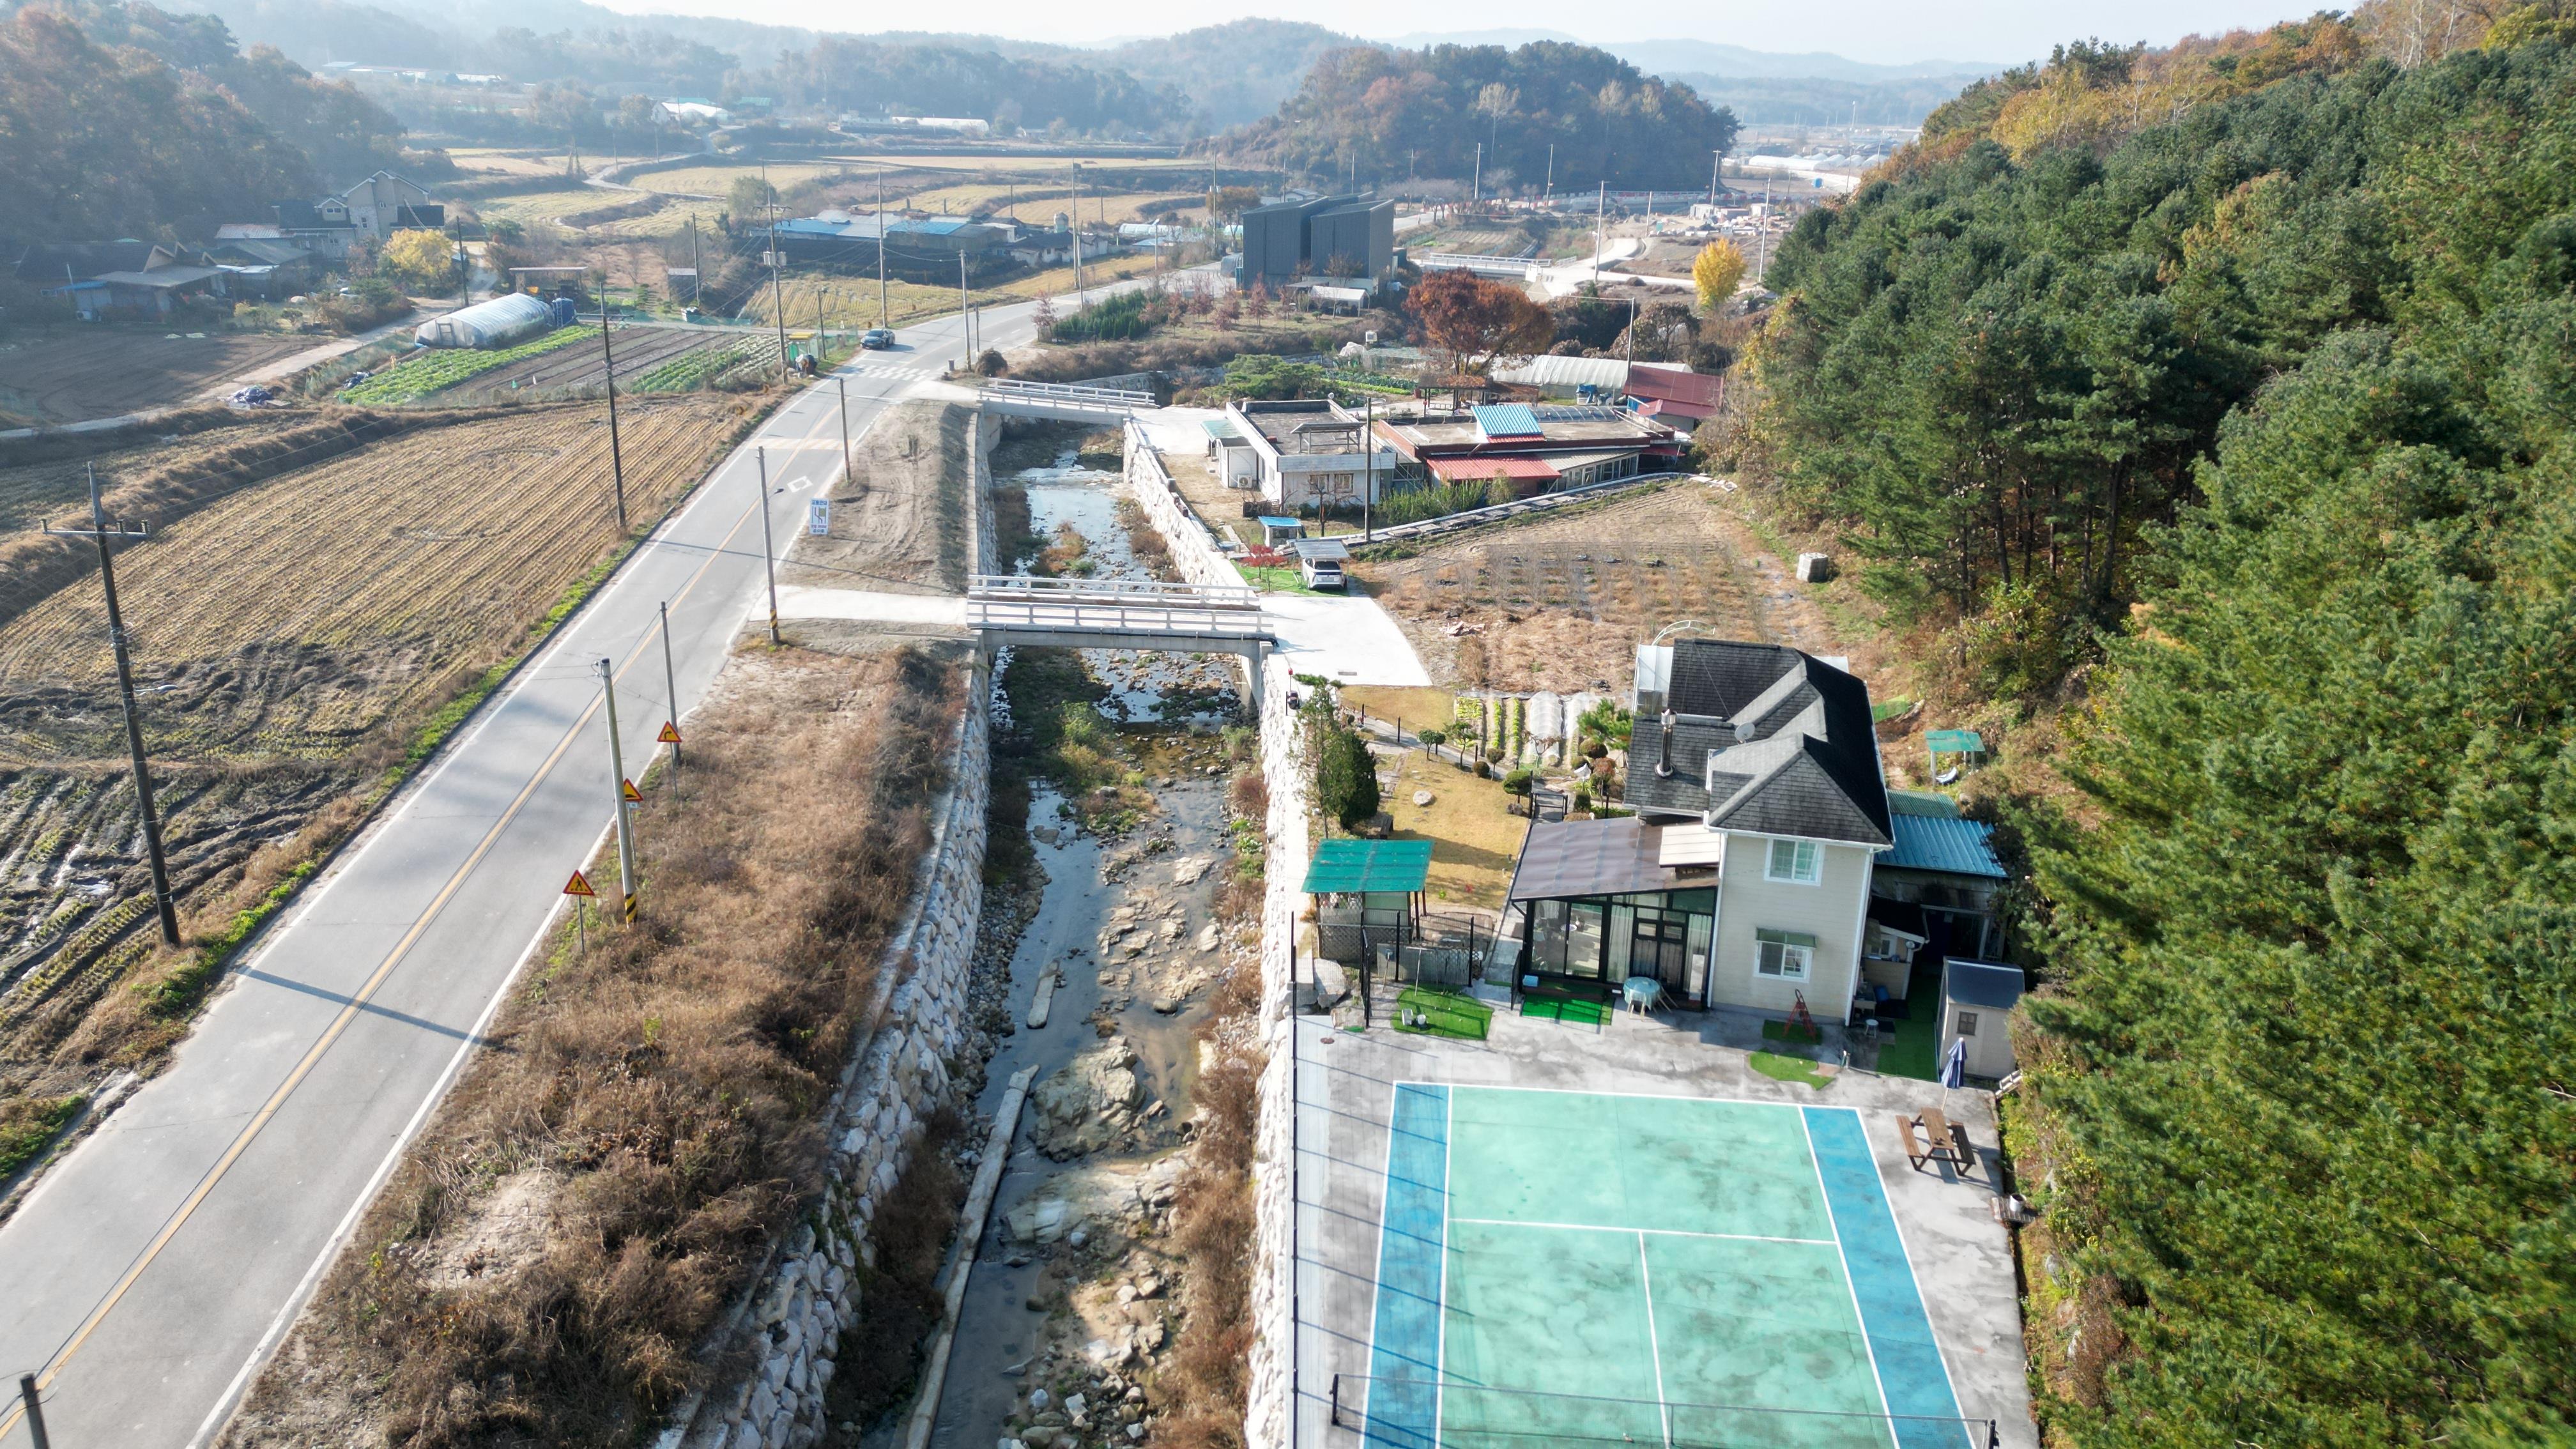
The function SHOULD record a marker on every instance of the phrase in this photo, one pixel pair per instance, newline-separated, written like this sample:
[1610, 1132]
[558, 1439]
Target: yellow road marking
[357, 1002]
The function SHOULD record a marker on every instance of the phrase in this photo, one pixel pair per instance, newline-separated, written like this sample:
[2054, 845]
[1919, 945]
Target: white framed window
[1967, 1023]
[1783, 955]
[1799, 862]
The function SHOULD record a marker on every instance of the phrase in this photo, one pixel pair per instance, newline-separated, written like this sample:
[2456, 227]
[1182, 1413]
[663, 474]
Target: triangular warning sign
[627, 787]
[579, 885]
[670, 733]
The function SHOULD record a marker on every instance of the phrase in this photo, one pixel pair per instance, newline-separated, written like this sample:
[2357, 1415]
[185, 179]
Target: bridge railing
[1479, 263]
[1074, 616]
[1069, 394]
[1148, 593]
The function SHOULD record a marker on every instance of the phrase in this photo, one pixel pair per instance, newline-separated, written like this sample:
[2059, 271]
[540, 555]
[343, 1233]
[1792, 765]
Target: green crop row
[423, 374]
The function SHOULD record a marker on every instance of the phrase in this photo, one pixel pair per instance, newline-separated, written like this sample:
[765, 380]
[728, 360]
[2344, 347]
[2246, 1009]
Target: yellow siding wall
[1829, 910]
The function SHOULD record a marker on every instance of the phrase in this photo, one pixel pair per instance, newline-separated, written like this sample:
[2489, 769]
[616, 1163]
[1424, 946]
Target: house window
[1785, 955]
[1967, 1023]
[1800, 862]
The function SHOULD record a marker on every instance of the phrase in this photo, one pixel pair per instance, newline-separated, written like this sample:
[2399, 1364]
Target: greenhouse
[497, 323]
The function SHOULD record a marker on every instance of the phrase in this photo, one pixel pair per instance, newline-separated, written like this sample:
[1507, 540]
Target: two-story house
[1744, 878]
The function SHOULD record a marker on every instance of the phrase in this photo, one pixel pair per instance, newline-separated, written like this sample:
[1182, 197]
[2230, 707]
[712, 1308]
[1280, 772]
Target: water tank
[566, 311]
[497, 323]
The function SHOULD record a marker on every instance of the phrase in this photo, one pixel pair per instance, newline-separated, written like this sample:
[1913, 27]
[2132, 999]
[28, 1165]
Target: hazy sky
[1887, 31]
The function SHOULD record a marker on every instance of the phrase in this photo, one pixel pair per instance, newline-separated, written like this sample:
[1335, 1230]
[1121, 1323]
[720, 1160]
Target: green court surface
[1574, 1268]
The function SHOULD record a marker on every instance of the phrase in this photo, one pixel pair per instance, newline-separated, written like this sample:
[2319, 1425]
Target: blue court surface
[1573, 1268]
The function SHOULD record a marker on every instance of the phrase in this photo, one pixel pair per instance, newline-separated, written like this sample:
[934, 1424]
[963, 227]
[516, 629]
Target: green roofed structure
[1373, 891]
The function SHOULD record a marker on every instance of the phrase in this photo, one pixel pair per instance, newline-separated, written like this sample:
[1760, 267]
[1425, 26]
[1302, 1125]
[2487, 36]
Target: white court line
[1590, 1092]
[1659, 1232]
[1654, 1344]
[1859, 1320]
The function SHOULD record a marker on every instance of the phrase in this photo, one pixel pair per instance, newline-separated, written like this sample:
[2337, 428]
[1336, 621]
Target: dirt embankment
[902, 522]
[602, 1183]
[298, 642]
[1561, 602]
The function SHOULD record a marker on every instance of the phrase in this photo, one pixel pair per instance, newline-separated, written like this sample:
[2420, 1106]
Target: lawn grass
[1414, 707]
[1474, 840]
[1445, 1013]
[1790, 1069]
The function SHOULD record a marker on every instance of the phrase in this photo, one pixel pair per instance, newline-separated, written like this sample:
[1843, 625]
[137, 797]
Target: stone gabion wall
[1266, 1414]
[789, 1325]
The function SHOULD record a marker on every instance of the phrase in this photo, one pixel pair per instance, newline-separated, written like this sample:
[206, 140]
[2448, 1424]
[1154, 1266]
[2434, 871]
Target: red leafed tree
[1477, 321]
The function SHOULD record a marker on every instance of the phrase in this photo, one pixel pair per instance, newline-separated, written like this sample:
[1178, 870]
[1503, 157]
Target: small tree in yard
[1477, 321]
[1345, 772]
[1717, 271]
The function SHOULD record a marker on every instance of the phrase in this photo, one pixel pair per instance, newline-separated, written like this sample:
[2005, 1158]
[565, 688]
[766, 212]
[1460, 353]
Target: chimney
[1664, 766]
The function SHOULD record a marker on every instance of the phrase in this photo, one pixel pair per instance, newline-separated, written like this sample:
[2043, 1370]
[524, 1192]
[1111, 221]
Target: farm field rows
[68, 375]
[292, 640]
[1564, 601]
[660, 359]
[427, 371]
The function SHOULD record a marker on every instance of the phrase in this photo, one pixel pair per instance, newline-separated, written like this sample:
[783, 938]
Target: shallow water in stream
[1124, 921]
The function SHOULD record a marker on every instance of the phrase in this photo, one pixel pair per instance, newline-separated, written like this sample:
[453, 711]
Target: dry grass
[666, 1085]
[1213, 1228]
[1474, 837]
[299, 641]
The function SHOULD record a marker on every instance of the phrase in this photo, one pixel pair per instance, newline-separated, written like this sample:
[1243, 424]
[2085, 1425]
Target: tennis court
[1569, 1267]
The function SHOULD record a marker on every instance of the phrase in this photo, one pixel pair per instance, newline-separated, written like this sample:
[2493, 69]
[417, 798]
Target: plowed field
[103, 372]
[292, 640]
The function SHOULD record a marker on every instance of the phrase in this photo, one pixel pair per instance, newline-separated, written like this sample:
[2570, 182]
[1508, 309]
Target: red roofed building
[1673, 394]
[1537, 448]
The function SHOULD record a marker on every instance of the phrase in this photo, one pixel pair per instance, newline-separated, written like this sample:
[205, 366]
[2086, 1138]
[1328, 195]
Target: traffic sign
[670, 733]
[627, 788]
[818, 516]
[579, 885]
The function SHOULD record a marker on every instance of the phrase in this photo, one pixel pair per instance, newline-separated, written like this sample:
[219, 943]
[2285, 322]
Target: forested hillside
[943, 80]
[153, 125]
[1386, 115]
[2219, 407]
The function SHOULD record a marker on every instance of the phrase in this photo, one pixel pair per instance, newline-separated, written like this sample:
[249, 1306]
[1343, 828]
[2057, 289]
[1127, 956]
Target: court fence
[1410, 1412]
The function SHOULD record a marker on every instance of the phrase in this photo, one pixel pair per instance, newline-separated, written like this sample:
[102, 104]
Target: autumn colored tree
[1225, 203]
[419, 262]
[1717, 270]
[1477, 321]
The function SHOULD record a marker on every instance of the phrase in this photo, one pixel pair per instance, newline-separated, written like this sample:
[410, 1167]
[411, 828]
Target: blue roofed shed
[1947, 867]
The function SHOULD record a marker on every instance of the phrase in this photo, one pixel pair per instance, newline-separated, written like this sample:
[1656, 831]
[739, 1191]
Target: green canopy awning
[1368, 867]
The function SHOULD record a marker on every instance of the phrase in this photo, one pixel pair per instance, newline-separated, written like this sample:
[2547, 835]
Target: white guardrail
[1069, 394]
[1144, 593]
[1478, 263]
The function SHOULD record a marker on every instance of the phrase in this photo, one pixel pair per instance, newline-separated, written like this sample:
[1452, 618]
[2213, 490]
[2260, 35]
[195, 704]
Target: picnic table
[1931, 1137]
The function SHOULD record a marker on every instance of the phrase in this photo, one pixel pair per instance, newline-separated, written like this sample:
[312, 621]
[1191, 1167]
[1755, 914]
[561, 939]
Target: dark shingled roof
[1767, 739]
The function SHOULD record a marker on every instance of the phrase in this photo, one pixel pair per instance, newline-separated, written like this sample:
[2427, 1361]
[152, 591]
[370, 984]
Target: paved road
[148, 1272]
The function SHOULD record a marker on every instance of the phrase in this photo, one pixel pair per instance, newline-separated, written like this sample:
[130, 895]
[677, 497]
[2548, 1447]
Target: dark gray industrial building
[1288, 238]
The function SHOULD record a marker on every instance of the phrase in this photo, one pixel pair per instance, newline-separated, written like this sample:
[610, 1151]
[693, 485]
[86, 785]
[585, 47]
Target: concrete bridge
[1120, 614]
[1063, 401]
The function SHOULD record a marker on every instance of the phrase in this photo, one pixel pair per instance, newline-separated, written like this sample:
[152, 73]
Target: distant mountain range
[1220, 76]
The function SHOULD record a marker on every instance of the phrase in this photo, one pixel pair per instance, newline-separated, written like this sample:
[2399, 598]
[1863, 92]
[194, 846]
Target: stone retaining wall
[1266, 1415]
[1194, 549]
[789, 1325]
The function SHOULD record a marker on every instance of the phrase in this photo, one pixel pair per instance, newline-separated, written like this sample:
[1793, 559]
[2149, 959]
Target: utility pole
[616, 457]
[768, 550]
[1764, 232]
[1716, 163]
[1368, 463]
[697, 277]
[1600, 219]
[1550, 198]
[777, 288]
[101, 531]
[670, 686]
[883, 312]
[1080, 301]
[965, 315]
[1629, 359]
[1476, 188]
[617, 792]
[843, 382]
[35, 1411]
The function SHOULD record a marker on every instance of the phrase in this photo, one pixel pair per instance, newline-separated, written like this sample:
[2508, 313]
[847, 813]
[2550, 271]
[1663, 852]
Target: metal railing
[1174, 622]
[1479, 263]
[1154, 592]
[1118, 399]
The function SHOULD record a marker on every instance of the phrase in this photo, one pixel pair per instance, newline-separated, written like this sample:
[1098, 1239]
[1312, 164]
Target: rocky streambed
[1101, 983]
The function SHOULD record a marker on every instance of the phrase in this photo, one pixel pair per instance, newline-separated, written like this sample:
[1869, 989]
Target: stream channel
[1072, 1287]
